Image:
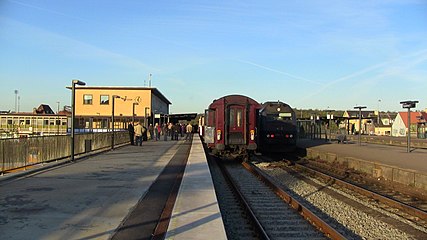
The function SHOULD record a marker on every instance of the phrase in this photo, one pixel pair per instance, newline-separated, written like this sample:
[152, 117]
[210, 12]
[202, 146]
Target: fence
[21, 152]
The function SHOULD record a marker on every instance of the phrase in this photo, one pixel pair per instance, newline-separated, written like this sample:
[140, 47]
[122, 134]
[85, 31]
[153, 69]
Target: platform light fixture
[74, 82]
[409, 105]
[360, 122]
[133, 111]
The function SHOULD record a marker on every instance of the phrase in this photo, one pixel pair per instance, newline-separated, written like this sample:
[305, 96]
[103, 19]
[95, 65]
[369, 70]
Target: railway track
[410, 202]
[269, 211]
[367, 214]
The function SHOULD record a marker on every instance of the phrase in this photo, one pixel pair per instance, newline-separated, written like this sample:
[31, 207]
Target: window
[105, 99]
[239, 118]
[235, 117]
[87, 99]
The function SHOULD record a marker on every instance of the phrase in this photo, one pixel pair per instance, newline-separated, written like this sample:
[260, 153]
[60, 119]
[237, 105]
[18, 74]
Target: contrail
[374, 67]
[278, 71]
[47, 10]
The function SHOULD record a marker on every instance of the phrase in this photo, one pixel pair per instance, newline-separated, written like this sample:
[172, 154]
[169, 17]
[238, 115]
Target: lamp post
[378, 120]
[16, 100]
[74, 82]
[145, 116]
[409, 105]
[360, 122]
[329, 117]
[57, 120]
[112, 122]
[133, 112]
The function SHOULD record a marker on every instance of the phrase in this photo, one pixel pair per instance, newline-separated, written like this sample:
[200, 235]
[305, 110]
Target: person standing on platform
[151, 131]
[175, 129]
[165, 131]
[131, 134]
[138, 134]
[157, 130]
[189, 130]
[144, 133]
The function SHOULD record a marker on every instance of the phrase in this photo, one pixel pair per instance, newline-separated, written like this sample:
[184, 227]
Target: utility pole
[409, 105]
[360, 122]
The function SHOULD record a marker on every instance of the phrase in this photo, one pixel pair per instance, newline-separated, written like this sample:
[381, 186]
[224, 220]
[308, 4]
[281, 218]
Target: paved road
[84, 200]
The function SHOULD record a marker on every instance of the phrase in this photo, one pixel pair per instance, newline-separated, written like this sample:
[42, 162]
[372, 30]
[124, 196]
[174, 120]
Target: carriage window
[239, 118]
[236, 117]
[232, 119]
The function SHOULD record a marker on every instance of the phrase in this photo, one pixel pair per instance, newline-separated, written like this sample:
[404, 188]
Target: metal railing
[22, 152]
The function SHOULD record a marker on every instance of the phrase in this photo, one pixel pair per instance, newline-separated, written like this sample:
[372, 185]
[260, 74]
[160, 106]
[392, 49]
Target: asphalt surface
[85, 200]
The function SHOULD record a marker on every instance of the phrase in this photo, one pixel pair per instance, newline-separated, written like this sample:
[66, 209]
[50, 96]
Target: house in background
[41, 122]
[43, 109]
[381, 124]
[400, 124]
[352, 121]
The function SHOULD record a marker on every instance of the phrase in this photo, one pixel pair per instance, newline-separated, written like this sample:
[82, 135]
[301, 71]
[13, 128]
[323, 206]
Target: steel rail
[306, 213]
[384, 199]
[261, 231]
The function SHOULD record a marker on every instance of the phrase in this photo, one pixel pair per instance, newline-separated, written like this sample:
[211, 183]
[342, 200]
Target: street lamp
[409, 105]
[74, 82]
[112, 122]
[329, 117]
[360, 121]
[57, 120]
[16, 100]
[145, 116]
[133, 112]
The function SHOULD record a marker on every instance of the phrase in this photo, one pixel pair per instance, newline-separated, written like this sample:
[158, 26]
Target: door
[236, 125]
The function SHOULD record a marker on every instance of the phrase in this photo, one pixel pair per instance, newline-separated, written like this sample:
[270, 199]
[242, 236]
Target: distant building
[93, 107]
[381, 124]
[400, 124]
[43, 109]
[41, 122]
[352, 121]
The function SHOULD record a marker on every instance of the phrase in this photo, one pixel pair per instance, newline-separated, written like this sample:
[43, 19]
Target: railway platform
[92, 197]
[389, 162]
[196, 214]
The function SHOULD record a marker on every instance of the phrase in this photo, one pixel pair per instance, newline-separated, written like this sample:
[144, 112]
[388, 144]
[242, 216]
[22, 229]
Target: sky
[310, 54]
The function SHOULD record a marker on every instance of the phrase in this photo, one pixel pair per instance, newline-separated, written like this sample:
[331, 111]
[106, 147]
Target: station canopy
[182, 116]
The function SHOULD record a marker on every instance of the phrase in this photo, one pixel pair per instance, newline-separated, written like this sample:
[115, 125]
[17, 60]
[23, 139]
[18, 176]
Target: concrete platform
[389, 162]
[90, 198]
[83, 200]
[196, 213]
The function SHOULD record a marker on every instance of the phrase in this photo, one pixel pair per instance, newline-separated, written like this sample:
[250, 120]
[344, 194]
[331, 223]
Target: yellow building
[94, 107]
[352, 121]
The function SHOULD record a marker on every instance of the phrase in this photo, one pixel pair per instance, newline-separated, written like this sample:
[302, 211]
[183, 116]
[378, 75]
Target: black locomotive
[277, 128]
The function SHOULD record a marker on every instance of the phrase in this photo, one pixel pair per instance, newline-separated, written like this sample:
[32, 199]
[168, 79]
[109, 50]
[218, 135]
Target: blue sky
[310, 54]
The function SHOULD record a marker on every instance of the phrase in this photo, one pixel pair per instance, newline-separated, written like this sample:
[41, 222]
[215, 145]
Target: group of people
[140, 133]
[136, 134]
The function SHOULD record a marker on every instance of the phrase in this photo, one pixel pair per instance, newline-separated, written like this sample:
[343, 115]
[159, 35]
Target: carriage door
[236, 120]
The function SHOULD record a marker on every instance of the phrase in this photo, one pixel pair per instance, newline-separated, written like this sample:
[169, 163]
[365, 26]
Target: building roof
[355, 113]
[154, 90]
[416, 117]
[44, 109]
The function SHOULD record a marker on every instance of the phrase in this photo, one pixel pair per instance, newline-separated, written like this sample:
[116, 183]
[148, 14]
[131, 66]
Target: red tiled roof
[415, 117]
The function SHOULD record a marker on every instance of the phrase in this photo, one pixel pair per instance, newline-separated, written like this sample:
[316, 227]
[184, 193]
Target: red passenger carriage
[230, 125]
